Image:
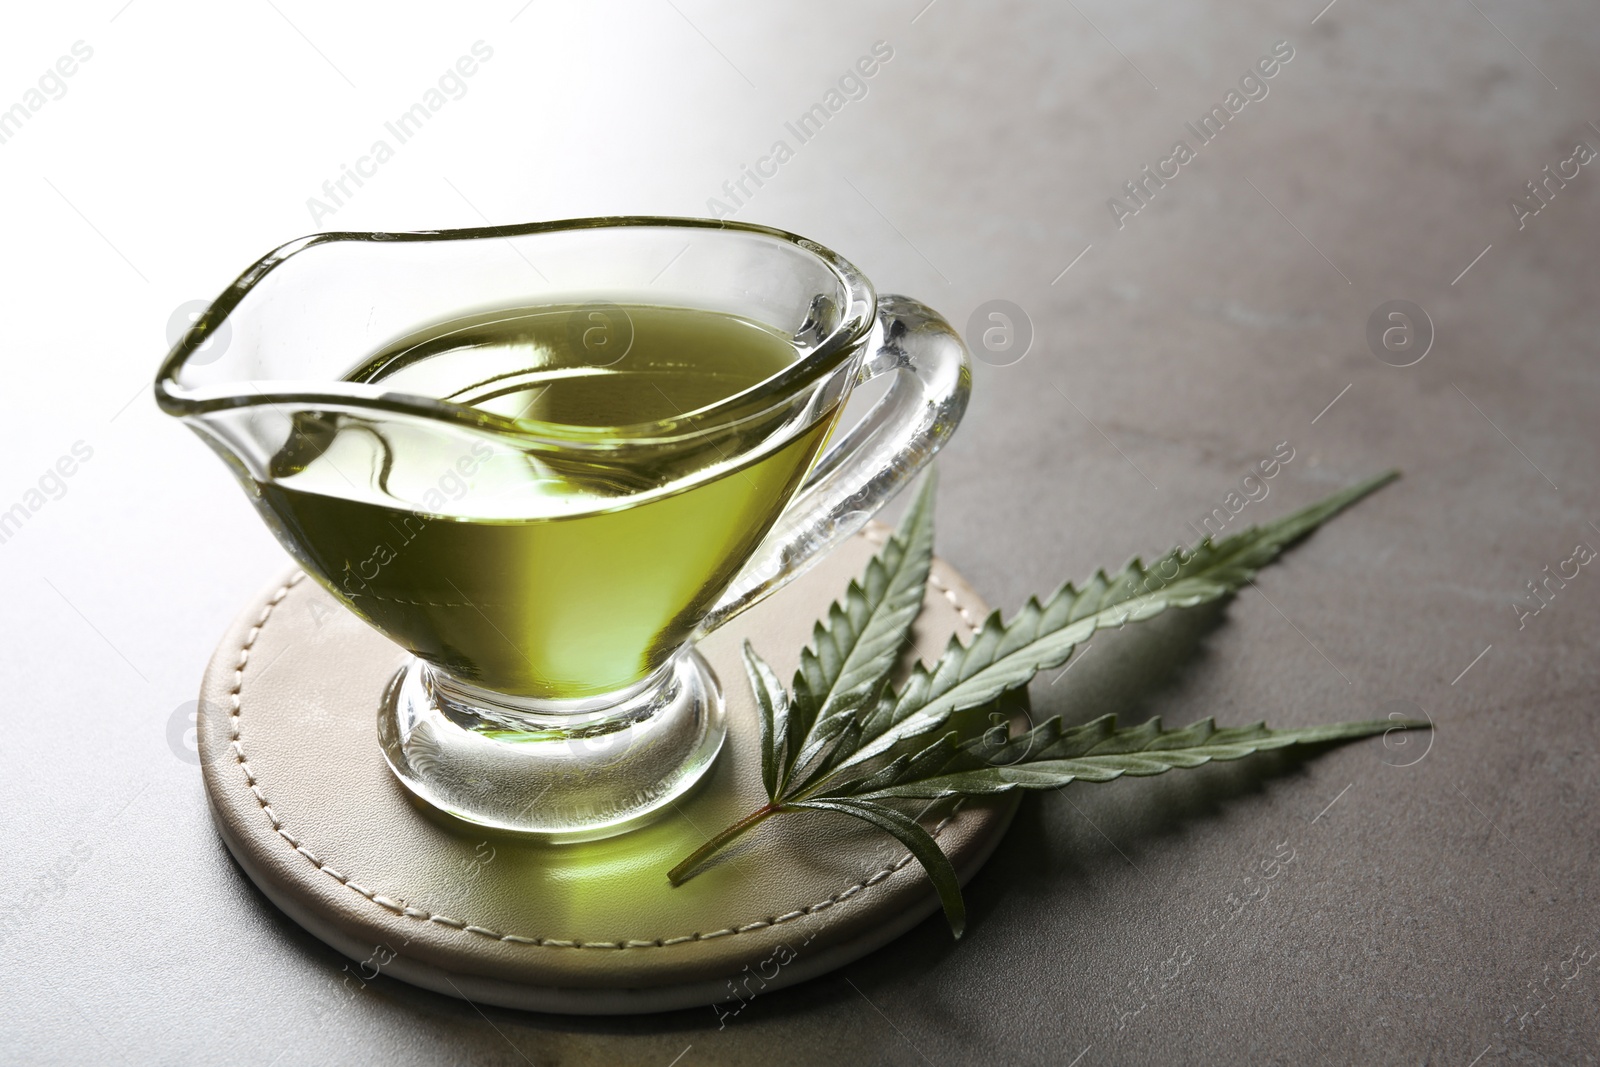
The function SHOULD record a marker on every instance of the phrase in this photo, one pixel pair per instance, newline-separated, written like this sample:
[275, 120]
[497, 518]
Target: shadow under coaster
[306, 803]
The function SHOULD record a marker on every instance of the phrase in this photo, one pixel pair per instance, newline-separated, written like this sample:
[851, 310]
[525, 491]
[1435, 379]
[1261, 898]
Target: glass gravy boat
[457, 433]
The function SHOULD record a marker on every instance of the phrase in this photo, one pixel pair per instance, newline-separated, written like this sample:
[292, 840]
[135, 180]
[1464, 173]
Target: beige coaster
[304, 800]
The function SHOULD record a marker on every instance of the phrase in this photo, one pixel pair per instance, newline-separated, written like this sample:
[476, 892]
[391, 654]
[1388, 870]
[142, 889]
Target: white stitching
[235, 702]
[950, 595]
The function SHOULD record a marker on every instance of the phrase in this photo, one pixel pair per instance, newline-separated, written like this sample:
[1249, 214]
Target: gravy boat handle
[879, 456]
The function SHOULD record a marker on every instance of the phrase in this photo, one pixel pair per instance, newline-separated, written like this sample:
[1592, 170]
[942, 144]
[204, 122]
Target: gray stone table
[1440, 904]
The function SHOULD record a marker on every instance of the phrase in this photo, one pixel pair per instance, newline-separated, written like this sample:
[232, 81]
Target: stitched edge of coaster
[235, 700]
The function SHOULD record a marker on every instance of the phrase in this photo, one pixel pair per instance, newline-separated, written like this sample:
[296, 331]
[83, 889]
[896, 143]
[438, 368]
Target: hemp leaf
[839, 740]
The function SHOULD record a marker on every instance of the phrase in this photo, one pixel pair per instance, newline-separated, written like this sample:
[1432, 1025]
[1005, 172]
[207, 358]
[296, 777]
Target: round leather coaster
[304, 800]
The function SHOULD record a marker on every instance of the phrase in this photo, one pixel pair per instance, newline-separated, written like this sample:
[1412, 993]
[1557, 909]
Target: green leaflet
[918, 842]
[1004, 656]
[1050, 756]
[855, 649]
[776, 719]
[839, 743]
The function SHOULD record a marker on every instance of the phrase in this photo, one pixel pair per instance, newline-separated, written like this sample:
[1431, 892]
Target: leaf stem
[680, 874]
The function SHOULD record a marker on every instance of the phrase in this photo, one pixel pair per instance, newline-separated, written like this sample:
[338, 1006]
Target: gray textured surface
[1429, 909]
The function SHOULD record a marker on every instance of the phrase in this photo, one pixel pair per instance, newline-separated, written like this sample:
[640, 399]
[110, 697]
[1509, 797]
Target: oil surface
[546, 570]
